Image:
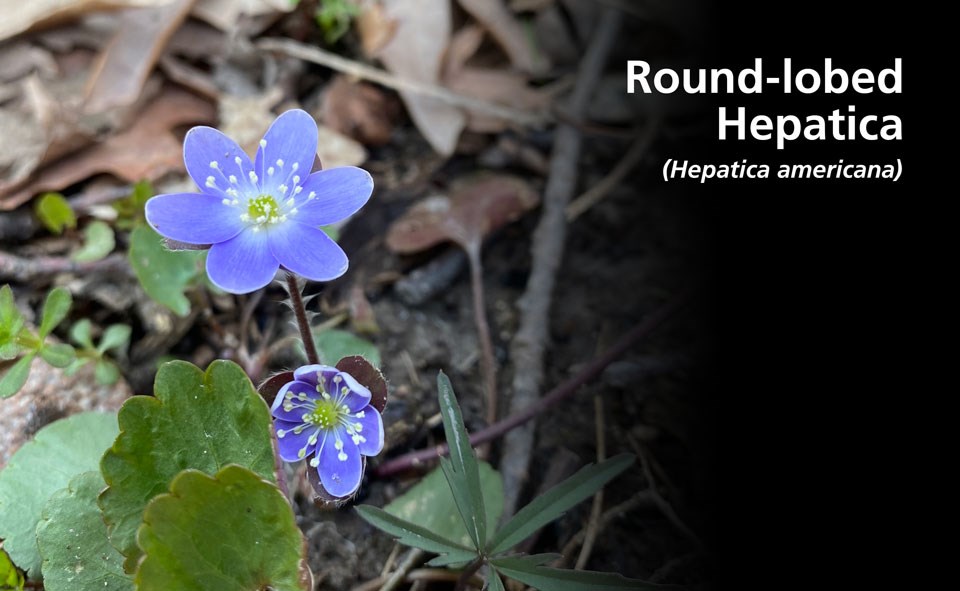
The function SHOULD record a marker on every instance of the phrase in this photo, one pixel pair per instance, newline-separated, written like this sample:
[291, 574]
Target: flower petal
[242, 264]
[371, 428]
[340, 470]
[291, 139]
[204, 146]
[308, 373]
[357, 395]
[308, 252]
[302, 395]
[195, 218]
[291, 443]
[337, 194]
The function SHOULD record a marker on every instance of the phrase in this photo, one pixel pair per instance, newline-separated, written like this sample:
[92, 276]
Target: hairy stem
[554, 397]
[306, 335]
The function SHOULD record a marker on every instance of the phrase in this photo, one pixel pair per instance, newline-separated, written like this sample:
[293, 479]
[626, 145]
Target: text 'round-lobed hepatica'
[261, 215]
[325, 413]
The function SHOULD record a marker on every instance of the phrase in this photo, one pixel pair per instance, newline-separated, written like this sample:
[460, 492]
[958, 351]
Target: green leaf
[164, 274]
[130, 209]
[462, 474]
[11, 322]
[75, 366]
[80, 333]
[430, 504]
[16, 376]
[10, 577]
[58, 354]
[411, 534]
[98, 242]
[558, 579]
[332, 232]
[199, 420]
[73, 541]
[55, 309]
[493, 581]
[40, 468]
[115, 337]
[556, 501]
[230, 532]
[333, 345]
[55, 213]
[106, 372]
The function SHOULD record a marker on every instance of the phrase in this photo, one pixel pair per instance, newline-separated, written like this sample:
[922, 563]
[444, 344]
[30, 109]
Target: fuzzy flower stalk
[262, 215]
[324, 416]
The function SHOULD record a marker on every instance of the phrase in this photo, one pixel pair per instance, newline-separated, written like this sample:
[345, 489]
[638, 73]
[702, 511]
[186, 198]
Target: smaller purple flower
[325, 415]
[258, 216]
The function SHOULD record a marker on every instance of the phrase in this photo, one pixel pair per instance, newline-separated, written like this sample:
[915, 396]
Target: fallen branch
[528, 345]
[21, 269]
[360, 70]
[554, 397]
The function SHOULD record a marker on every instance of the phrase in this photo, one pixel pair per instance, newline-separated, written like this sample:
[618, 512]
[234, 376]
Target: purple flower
[325, 413]
[259, 216]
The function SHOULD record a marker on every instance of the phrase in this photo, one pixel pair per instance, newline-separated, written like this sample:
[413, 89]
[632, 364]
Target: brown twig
[488, 365]
[643, 498]
[353, 68]
[554, 397]
[596, 508]
[15, 268]
[633, 157]
[548, 241]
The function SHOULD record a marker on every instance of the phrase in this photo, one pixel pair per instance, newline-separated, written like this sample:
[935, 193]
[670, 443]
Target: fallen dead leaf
[359, 110]
[44, 13]
[477, 206]
[146, 150]
[414, 54]
[126, 61]
[246, 118]
[497, 86]
[225, 14]
[335, 149]
[375, 28]
[504, 27]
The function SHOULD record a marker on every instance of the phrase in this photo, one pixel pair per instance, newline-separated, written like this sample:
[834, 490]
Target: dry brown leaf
[335, 149]
[497, 86]
[359, 110]
[497, 19]
[42, 13]
[225, 14]
[122, 68]
[147, 150]
[415, 52]
[246, 118]
[477, 206]
[463, 46]
[375, 28]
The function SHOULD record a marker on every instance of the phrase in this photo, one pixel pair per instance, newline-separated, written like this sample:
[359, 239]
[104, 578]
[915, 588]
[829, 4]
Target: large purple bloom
[261, 215]
[325, 413]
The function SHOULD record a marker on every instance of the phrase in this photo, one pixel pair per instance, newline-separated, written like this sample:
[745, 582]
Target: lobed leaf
[40, 468]
[198, 420]
[73, 541]
[55, 213]
[10, 577]
[333, 345]
[164, 274]
[556, 501]
[232, 531]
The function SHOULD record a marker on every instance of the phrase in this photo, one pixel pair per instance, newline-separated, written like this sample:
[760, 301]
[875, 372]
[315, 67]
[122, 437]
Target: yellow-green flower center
[263, 209]
[325, 415]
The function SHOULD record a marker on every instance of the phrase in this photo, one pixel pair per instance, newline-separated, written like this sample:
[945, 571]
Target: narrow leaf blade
[58, 354]
[411, 534]
[558, 579]
[463, 462]
[557, 500]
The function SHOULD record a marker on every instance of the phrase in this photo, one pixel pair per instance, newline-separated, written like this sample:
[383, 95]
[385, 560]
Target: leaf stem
[488, 365]
[296, 301]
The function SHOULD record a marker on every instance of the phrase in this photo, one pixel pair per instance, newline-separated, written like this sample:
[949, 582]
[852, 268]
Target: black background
[817, 289]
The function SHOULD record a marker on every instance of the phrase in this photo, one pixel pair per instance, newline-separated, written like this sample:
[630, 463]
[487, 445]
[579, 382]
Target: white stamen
[237, 160]
[296, 179]
[253, 176]
[211, 182]
[232, 179]
[263, 143]
[281, 433]
[360, 414]
[314, 461]
[297, 190]
[214, 165]
[280, 162]
[270, 171]
[295, 166]
[226, 201]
